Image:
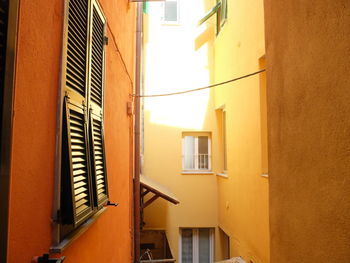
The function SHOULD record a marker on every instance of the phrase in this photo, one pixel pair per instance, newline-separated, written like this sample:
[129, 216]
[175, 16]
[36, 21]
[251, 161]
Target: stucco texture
[243, 196]
[167, 47]
[308, 65]
[33, 154]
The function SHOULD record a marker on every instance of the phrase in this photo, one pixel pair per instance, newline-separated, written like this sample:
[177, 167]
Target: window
[263, 119]
[220, 9]
[196, 245]
[84, 188]
[196, 151]
[224, 142]
[225, 244]
[221, 14]
[171, 11]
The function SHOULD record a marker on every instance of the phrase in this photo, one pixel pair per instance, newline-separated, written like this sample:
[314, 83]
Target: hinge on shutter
[57, 218]
[86, 113]
[105, 40]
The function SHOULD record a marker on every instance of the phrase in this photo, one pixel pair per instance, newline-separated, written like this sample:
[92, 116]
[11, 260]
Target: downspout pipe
[137, 134]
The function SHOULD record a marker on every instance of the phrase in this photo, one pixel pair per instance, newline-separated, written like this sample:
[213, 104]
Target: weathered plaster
[308, 92]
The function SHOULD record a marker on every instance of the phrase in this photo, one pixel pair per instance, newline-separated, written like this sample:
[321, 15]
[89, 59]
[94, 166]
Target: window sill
[224, 175]
[170, 24]
[265, 175]
[197, 172]
[77, 233]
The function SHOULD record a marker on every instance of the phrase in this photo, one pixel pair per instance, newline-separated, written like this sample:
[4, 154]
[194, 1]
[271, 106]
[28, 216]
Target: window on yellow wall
[263, 119]
[222, 139]
[83, 187]
[224, 142]
[196, 152]
[220, 9]
[222, 14]
[170, 11]
[197, 245]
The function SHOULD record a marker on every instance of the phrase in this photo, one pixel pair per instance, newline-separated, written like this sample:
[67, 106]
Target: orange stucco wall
[308, 93]
[33, 152]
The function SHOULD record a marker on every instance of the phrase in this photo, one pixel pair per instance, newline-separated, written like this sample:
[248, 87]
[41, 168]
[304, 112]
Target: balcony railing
[197, 162]
[203, 161]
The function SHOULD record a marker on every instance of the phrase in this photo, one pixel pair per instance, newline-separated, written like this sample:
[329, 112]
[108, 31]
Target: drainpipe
[137, 136]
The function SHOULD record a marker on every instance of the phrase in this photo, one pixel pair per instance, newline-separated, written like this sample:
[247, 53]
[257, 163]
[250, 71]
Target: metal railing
[203, 161]
[197, 162]
[148, 253]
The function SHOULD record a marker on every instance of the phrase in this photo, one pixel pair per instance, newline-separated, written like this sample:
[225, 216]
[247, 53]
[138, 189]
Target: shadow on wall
[156, 214]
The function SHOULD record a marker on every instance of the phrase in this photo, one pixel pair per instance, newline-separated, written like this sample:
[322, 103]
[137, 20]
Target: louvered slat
[99, 160]
[76, 46]
[79, 163]
[97, 62]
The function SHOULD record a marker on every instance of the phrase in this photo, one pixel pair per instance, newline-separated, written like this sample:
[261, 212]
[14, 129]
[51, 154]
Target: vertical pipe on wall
[137, 136]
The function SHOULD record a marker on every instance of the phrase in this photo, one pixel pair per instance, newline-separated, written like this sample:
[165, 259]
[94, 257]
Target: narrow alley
[174, 131]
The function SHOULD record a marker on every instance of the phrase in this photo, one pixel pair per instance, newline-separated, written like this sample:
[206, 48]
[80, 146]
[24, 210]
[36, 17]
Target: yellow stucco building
[208, 147]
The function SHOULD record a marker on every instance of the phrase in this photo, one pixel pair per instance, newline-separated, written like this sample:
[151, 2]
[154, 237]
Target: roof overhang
[149, 185]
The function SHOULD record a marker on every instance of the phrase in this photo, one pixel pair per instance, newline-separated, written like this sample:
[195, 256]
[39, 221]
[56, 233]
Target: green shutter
[97, 58]
[83, 179]
[98, 160]
[210, 13]
[220, 9]
[76, 194]
[77, 37]
[80, 181]
[97, 62]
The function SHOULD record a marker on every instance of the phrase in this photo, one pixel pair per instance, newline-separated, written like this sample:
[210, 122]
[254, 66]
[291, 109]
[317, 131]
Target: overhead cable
[207, 87]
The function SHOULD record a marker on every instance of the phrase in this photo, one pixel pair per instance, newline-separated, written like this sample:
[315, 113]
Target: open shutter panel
[77, 46]
[97, 57]
[96, 105]
[99, 160]
[81, 196]
[79, 163]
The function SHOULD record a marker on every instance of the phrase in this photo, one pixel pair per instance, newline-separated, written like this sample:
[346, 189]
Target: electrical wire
[207, 87]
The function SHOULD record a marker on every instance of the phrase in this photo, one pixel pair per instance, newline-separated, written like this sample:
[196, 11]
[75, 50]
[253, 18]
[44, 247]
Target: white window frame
[196, 164]
[195, 244]
[224, 139]
[177, 12]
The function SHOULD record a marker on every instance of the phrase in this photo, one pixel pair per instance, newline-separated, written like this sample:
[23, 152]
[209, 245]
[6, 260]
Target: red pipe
[137, 137]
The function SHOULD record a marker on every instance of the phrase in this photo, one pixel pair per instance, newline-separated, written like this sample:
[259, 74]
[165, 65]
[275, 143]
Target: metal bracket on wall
[111, 204]
[45, 259]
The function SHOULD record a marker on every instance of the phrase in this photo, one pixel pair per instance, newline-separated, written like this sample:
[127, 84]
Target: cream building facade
[208, 147]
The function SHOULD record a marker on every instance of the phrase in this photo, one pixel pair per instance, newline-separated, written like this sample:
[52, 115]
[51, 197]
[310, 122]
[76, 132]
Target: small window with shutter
[84, 188]
[171, 12]
[220, 9]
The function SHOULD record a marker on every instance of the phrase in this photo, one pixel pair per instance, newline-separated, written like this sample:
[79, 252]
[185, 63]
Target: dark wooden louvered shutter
[97, 67]
[99, 161]
[77, 47]
[79, 162]
[76, 117]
